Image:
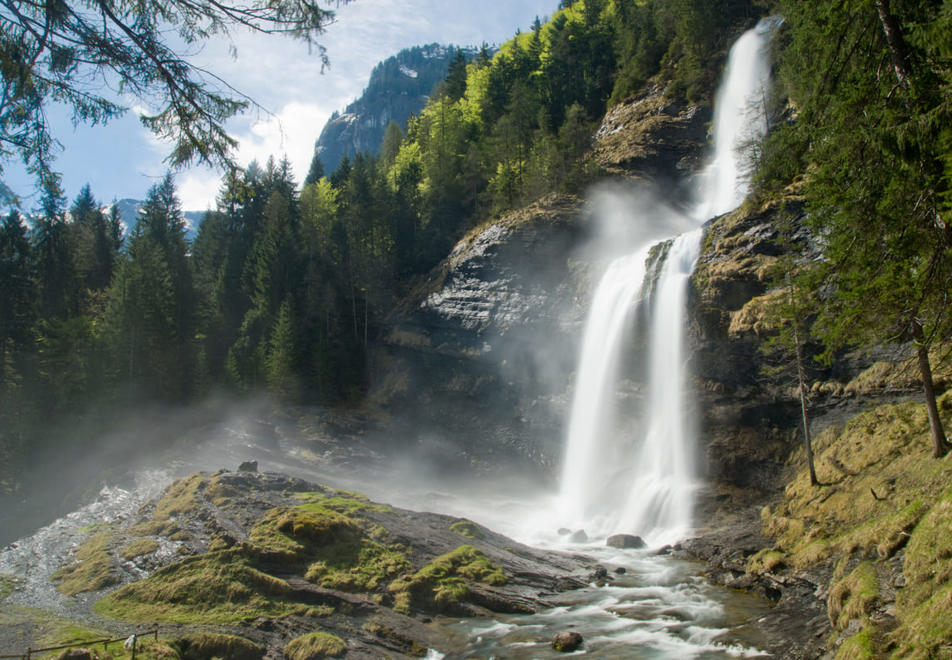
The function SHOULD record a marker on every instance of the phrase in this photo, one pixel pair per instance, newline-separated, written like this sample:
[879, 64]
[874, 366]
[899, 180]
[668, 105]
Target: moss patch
[443, 582]
[853, 596]
[179, 497]
[342, 501]
[765, 561]
[8, 584]
[468, 529]
[858, 647]
[93, 568]
[205, 646]
[221, 587]
[314, 646]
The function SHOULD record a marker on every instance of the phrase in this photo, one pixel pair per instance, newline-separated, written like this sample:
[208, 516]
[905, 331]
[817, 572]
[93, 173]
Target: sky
[123, 160]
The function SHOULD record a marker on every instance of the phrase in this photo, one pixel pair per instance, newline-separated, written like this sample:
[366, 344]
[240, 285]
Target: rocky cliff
[398, 87]
[484, 351]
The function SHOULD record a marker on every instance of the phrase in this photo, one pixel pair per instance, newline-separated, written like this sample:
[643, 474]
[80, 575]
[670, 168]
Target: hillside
[398, 87]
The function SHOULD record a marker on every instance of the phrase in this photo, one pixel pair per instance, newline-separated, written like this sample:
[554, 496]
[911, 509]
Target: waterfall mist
[642, 480]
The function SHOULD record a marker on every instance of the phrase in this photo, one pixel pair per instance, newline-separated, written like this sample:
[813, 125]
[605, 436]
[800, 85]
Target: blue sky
[123, 160]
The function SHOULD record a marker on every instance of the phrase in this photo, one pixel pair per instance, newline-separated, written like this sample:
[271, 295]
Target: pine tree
[875, 184]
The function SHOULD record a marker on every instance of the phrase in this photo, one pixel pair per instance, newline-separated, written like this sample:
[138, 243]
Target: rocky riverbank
[269, 558]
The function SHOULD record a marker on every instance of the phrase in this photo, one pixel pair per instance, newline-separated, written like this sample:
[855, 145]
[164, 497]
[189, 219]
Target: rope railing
[134, 638]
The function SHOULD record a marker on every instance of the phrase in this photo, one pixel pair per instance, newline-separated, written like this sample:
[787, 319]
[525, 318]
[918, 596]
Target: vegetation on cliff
[879, 523]
[867, 142]
[274, 559]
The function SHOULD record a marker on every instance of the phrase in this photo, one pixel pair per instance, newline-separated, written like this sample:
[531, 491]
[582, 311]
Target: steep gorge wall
[479, 360]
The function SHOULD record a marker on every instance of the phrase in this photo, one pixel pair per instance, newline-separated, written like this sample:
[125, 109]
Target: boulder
[578, 536]
[567, 642]
[77, 654]
[625, 541]
[248, 466]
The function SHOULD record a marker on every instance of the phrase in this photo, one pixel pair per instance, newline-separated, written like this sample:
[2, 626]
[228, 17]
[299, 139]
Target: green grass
[342, 501]
[205, 646]
[93, 568]
[138, 548]
[853, 596]
[213, 588]
[8, 584]
[881, 492]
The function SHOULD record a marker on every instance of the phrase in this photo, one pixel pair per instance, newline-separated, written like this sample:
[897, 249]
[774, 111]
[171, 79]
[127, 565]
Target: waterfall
[611, 481]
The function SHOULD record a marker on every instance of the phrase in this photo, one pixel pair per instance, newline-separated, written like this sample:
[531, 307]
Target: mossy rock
[362, 566]
[296, 532]
[138, 548]
[205, 646]
[468, 529]
[221, 587]
[442, 584]
[765, 561]
[347, 502]
[179, 497]
[93, 568]
[315, 646]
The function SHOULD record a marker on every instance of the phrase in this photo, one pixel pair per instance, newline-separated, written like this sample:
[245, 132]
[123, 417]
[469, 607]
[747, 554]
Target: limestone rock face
[748, 420]
[651, 137]
[482, 351]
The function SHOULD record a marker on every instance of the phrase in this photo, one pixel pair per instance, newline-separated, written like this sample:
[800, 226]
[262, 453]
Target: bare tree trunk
[801, 378]
[898, 52]
[940, 446]
[802, 384]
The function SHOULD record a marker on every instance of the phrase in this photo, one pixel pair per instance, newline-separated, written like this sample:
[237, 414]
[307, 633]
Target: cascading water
[612, 482]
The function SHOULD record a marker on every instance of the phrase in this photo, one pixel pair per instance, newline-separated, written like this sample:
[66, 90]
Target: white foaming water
[645, 485]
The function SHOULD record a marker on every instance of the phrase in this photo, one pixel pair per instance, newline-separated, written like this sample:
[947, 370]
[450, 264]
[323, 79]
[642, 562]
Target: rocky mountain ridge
[398, 87]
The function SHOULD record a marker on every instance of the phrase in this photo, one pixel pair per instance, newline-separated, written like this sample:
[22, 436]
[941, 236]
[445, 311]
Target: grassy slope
[882, 520]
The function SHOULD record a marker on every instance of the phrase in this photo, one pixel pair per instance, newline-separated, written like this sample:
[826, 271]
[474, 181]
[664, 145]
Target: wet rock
[621, 570]
[578, 536]
[567, 642]
[625, 541]
[599, 574]
[664, 551]
[248, 466]
[464, 351]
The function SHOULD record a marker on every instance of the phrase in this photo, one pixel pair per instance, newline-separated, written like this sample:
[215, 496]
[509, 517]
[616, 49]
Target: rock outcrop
[482, 351]
[265, 558]
[652, 137]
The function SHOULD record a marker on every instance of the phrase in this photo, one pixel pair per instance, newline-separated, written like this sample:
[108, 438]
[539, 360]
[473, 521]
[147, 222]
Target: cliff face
[398, 87]
[480, 353]
[483, 354]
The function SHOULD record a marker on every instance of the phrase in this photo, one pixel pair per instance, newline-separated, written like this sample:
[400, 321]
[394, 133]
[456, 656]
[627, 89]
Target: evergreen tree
[17, 289]
[875, 183]
[316, 171]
